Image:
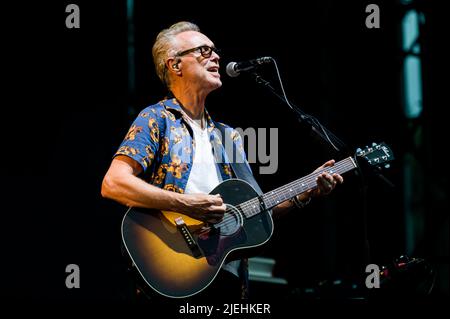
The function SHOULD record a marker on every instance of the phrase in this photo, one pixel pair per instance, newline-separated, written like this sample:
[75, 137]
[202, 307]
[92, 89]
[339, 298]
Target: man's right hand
[204, 207]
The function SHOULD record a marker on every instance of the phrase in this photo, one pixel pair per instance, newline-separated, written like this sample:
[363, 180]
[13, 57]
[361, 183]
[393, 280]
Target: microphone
[235, 68]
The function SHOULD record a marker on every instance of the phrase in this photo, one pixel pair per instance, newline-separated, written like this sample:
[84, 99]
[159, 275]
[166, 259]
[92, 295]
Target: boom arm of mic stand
[323, 133]
[320, 131]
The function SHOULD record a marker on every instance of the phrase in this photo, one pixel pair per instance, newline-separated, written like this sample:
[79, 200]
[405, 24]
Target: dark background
[66, 105]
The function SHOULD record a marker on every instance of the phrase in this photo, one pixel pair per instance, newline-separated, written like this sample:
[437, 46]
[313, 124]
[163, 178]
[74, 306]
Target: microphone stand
[317, 130]
[308, 122]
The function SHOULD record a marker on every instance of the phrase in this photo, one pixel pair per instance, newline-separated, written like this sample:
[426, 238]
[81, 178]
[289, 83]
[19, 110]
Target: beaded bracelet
[299, 203]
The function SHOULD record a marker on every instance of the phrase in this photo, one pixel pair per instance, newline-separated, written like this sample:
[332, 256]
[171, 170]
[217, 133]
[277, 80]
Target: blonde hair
[164, 45]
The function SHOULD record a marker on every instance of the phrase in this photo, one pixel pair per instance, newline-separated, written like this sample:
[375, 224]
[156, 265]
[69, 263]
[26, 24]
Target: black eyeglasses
[205, 50]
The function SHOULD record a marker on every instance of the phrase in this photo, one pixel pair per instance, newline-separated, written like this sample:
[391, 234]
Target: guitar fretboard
[288, 191]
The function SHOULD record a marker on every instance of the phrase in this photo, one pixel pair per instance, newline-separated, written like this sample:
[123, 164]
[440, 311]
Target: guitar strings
[340, 167]
[229, 220]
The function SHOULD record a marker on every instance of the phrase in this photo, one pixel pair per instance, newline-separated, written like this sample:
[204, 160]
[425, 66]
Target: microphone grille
[231, 71]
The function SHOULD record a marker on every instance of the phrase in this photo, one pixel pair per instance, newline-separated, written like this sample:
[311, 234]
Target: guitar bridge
[188, 238]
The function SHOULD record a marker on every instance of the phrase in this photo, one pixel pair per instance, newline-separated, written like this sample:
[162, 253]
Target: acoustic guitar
[179, 256]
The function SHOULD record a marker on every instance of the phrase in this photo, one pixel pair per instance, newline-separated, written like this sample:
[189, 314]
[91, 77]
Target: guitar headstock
[376, 155]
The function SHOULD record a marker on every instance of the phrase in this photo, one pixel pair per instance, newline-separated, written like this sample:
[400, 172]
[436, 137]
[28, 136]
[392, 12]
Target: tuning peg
[387, 165]
[374, 144]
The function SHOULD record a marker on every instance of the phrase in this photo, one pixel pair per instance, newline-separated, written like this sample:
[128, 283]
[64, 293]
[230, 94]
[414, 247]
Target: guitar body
[179, 256]
[173, 266]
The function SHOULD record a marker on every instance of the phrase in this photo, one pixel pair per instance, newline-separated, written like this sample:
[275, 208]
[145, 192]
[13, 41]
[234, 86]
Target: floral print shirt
[160, 140]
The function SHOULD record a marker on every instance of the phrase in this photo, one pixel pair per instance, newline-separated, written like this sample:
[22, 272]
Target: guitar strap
[240, 167]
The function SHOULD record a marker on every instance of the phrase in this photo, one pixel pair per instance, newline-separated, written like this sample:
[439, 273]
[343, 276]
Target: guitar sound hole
[231, 222]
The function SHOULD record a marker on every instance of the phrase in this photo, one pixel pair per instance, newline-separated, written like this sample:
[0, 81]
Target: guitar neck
[301, 185]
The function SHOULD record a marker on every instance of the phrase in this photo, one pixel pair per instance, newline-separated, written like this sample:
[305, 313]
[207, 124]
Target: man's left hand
[326, 182]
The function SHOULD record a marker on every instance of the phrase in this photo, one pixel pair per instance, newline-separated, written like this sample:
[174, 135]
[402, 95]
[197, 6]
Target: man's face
[198, 68]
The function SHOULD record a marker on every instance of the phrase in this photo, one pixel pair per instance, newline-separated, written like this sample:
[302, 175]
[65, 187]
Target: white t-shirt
[205, 174]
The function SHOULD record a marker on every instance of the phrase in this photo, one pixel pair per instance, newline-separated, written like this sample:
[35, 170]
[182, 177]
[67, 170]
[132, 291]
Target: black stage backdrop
[66, 105]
